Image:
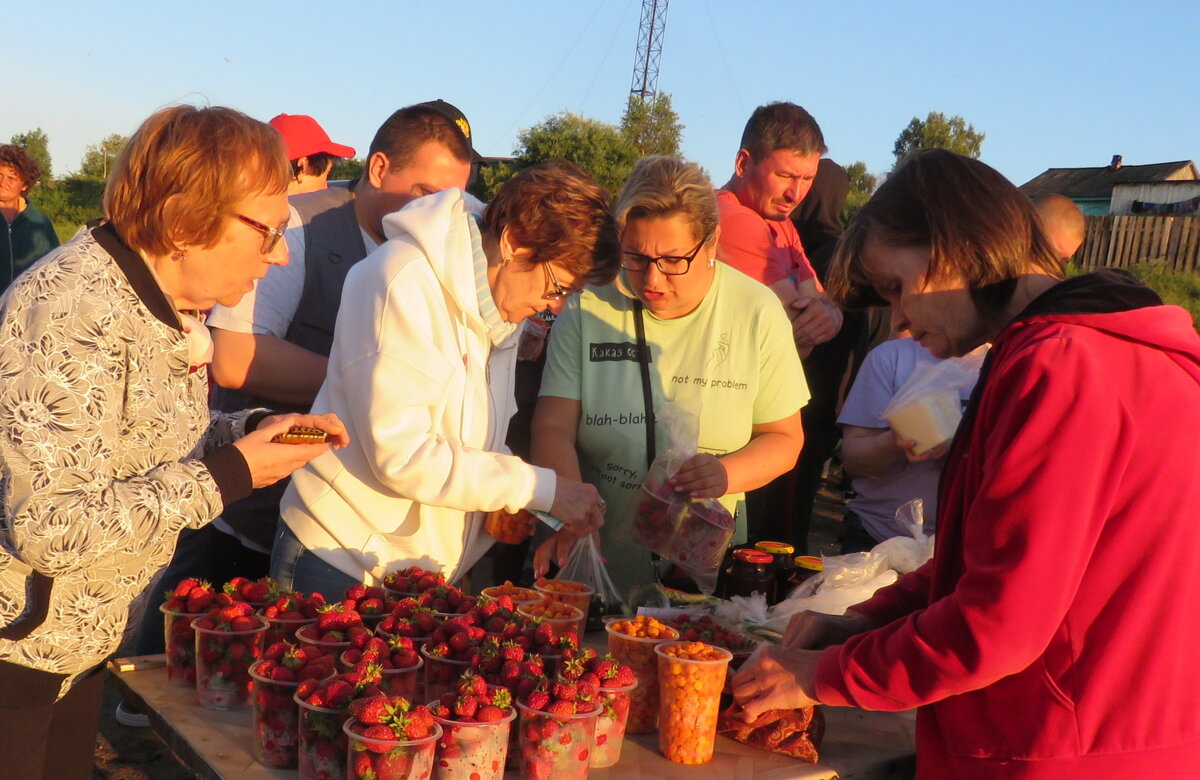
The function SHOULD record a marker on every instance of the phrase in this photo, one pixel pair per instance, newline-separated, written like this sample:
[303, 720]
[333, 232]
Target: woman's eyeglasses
[557, 292]
[669, 265]
[270, 235]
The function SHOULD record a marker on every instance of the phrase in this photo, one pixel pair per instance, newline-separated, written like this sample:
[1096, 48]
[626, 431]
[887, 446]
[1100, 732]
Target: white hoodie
[426, 399]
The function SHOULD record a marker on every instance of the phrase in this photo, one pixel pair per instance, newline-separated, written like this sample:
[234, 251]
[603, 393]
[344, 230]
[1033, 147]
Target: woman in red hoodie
[1053, 633]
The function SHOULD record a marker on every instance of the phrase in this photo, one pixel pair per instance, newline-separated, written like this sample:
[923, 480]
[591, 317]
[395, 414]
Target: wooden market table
[216, 745]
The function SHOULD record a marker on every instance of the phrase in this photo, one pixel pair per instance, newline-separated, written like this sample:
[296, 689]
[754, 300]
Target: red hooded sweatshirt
[1056, 631]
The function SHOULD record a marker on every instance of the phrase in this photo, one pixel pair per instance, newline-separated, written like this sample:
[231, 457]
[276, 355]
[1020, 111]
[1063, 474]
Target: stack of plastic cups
[690, 700]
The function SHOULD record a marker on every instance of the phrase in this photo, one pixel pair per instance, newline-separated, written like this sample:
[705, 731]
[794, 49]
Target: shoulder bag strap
[644, 365]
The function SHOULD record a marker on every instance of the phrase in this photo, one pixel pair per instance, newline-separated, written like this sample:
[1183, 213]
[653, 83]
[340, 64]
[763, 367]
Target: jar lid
[776, 548]
[810, 562]
[747, 555]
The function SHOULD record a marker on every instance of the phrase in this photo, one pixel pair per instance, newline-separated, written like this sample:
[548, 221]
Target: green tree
[862, 185]
[652, 126]
[70, 203]
[489, 178]
[597, 147]
[98, 159]
[346, 170]
[38, 145]
[937, 131]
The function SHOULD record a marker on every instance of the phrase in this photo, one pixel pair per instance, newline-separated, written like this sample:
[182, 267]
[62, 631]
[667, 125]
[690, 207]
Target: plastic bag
[585, 565]
[927, 408]
[908, 553]
[793, 733]
[845, 580]
[692, 533]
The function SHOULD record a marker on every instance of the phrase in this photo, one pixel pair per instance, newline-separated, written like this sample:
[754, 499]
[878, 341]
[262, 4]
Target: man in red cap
[310, 151]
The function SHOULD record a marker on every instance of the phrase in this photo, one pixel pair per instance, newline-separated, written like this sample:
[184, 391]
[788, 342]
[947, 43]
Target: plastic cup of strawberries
[387, 738]
[228, 641]
[441, 672]
[398, 660]
[180, 642]
[476, 722]
[321, 742]
[275, 721]
[556, 735]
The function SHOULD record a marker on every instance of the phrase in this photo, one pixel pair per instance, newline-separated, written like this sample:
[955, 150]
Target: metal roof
[1099, 182]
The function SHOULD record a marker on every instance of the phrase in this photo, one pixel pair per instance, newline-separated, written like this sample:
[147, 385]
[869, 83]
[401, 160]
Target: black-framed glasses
[669, 265]
[270, 235]
[557, 291]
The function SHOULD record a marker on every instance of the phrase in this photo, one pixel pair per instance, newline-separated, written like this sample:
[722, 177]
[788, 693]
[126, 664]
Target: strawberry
[489, 714]
[185, 587]
[465, 707]
[560, 707]
[373, 710]
[537, 700]
[563, 691]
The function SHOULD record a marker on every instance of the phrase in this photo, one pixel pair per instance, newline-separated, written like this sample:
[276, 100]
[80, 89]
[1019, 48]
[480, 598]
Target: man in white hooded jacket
[421, 371]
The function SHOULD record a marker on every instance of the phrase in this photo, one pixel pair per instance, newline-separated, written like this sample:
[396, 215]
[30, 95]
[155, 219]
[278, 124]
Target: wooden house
[1092, 189]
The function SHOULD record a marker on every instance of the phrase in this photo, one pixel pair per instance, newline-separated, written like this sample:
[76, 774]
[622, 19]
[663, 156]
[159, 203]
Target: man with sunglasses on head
[776, 164]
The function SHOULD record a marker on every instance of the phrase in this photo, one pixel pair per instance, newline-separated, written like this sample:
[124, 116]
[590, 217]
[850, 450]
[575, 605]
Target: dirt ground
[138, 754]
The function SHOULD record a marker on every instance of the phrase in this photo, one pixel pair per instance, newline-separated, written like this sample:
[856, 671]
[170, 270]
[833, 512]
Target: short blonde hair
[181, 173]
[662, 186]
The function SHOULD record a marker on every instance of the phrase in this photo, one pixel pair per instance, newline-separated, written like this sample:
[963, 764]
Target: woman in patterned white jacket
[107, 449]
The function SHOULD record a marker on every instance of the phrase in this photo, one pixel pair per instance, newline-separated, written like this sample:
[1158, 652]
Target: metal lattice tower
[649, 48]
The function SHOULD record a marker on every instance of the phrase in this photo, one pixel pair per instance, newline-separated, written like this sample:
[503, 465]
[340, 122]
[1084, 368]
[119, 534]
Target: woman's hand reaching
[701, 476]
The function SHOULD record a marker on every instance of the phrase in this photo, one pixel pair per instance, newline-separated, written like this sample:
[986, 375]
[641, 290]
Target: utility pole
[649, 48]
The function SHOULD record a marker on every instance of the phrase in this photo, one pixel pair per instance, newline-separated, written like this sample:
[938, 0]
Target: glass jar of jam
[751, 574]
[806, 566]
[782, 566]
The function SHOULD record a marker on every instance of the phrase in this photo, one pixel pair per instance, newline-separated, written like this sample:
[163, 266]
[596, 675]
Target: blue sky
[1052, 84]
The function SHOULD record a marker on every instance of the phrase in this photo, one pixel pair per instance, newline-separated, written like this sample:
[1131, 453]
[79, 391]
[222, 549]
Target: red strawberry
[465, 707]
[185, 587]
[373, 710]
[561, 707]
[489, 714]
[537, 700]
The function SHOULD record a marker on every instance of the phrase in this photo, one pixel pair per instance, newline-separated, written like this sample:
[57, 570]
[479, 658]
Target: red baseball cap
[303, 136]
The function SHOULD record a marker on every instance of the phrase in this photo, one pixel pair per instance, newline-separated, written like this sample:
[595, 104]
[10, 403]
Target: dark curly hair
[559, 212]
[21, 162]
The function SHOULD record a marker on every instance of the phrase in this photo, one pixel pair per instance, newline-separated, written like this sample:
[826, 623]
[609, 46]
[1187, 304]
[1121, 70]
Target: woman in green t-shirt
[719, 345]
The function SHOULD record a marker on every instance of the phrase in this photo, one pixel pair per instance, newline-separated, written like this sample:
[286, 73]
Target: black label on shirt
[609, 351]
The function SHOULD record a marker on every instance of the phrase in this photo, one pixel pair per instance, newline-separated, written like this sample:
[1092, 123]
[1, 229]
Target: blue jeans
[299, 569]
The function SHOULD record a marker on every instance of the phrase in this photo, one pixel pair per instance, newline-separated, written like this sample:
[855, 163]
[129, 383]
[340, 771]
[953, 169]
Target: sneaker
[127, 717]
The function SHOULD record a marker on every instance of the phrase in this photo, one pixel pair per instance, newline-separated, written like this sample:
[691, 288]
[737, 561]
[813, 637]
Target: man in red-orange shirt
[774, 169]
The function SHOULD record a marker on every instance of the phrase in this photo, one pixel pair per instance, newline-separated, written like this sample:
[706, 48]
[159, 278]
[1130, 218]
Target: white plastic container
[929, 420]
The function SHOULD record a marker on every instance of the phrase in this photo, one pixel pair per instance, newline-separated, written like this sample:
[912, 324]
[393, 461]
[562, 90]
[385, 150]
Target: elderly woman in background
[421, 370]
[27, 232]
[720, 345]
[1053, 633]
[107, 449]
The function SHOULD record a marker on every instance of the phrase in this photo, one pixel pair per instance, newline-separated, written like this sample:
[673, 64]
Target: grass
[1179, 288]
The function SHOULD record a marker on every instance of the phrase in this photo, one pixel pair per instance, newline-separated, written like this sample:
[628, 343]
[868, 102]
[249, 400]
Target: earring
[178, 255]
[712, 262]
